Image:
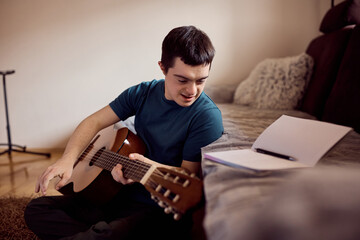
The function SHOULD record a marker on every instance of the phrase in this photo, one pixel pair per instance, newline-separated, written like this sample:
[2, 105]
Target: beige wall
[74, 56]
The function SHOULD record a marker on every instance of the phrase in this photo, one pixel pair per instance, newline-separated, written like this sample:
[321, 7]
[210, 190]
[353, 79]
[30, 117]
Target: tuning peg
[186, 183]
[177, 216]
[167, 176]
[158, 188]
[176, 179]
[154, 198]
[168, 210]
[167, 193]
[162, 204]
[192, 175]
[176, 198]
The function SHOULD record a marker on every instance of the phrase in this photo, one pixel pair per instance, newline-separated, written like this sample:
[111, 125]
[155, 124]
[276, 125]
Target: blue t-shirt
[172, 133]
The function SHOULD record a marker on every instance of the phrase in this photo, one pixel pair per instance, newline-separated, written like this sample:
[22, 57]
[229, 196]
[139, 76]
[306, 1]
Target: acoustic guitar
[173, 188]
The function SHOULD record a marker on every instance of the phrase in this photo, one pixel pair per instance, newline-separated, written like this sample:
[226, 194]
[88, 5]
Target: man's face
[185, 83]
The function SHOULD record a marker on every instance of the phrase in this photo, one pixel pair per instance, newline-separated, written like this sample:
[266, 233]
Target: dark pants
[71, 217]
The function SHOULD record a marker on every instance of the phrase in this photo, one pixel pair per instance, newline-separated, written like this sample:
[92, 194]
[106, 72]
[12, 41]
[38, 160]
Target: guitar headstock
[176, 191]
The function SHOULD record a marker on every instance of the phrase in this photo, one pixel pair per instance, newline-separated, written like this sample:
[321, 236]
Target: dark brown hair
[192, 45]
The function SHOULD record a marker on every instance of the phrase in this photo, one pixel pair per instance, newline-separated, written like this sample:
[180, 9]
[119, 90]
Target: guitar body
[173, 188]
[94, 183]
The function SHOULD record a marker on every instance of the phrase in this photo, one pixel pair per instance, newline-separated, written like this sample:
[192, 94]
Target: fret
[132, 169]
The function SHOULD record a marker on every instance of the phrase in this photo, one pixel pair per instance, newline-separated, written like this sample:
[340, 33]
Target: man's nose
[191, 89]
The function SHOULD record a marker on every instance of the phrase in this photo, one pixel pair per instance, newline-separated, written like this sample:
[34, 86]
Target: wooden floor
[19, 172]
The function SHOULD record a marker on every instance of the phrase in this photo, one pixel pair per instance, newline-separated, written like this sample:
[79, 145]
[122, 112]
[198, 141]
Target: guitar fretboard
[133, 169]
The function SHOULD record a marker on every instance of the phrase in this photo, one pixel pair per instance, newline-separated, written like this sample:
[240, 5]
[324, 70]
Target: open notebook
[289, 142]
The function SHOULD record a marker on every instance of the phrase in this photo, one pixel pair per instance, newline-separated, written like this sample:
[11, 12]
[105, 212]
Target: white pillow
[276, 83]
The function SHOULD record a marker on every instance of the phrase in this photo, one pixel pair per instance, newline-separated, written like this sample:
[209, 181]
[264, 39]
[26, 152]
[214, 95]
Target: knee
[33, 209]
[29, 211]
[33, 206]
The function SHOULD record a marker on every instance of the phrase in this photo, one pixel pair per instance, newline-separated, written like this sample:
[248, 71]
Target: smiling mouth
[188, 98]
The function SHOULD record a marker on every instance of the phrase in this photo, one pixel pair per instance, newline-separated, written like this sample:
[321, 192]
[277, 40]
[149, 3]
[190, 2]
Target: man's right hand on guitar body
[62, 168]
[81, 137]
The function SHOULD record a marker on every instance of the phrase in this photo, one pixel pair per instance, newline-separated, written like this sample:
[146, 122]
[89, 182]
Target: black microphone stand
[21, 149]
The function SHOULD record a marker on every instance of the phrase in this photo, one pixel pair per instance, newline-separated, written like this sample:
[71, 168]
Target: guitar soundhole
[96, 156]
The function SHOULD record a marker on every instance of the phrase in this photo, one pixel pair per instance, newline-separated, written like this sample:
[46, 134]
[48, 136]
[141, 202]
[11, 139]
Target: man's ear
[162, 67]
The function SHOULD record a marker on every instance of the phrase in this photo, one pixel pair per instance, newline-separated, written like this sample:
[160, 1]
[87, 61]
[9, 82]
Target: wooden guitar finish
[174, 190]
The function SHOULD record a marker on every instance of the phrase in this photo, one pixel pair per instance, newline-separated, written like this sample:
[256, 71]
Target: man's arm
[78, 141]
[193, 167]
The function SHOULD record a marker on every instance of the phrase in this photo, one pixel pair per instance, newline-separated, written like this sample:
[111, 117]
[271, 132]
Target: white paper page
[303, 139]
[247, 158]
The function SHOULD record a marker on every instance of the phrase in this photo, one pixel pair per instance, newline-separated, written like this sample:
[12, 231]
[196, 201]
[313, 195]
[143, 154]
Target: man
[173, 117]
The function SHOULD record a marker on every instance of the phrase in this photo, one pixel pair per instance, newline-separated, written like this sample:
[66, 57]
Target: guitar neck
[132, 169]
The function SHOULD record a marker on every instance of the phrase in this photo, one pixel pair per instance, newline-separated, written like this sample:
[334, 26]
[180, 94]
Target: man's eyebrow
[181, 76]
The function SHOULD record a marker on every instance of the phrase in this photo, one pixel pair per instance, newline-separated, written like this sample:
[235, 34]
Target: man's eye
[182, 81]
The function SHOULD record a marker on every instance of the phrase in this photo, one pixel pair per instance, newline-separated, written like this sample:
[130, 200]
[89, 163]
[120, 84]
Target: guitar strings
[112, 159]
[107, 160]
[131, 168]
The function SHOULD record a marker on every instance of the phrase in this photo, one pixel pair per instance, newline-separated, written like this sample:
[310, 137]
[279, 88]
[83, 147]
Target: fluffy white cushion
[277, 83]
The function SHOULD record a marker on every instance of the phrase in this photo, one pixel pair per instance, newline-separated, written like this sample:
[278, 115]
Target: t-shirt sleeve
[205, 129]
[127, 103]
